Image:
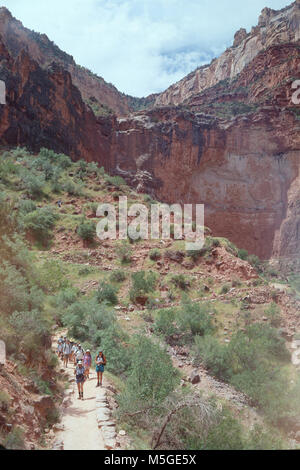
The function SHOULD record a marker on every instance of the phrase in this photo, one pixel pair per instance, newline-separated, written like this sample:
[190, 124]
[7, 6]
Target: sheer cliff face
[17, 38]
[243, 171]
[44, 109]
[274, 27]
[240, 156]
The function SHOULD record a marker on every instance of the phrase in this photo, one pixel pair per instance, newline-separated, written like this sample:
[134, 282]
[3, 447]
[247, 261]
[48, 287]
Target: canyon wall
[233, 144]
[274, 27]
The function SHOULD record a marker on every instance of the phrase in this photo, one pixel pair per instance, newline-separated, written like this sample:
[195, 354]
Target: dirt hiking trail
[79, 418]
[85, 424]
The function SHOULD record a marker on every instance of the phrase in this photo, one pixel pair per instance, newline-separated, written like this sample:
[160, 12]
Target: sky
[141, 46]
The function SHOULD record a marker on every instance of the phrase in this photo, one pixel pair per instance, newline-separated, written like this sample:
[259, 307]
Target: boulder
[195, 378]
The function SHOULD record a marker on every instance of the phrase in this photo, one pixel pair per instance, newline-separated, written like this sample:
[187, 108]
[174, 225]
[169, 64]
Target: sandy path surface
[79, 418]
[80, 428]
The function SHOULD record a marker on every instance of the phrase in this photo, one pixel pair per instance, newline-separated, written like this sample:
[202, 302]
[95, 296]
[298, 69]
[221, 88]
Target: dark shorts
[100, 368]
[80, 380]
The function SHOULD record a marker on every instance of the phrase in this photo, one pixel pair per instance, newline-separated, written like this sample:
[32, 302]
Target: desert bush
[213, 355]
[116, 181]
[124, 252]
[273, 312]
[152, 377]
[15, 440]
[225, 289]
[34, 185]
[26, 206]
[72, 189]
[86, 319]
[165, 322]
[40, 224]
[118, 276]
[87, 231]
[4, 400]
[155, 254]
[181, 282]
[194, 318]
[107, 293]
[243, 254]
[142, 284]
[52, 276]
[255, 262]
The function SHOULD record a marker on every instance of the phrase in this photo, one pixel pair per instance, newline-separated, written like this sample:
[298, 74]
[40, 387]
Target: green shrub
[255, 262]
[4, 400]
[107, 293]
[155, 254]
[243, 254]
[165, 322]
[194, 319]
[72, 189]
[152, 376]
[116, 181]
[26, 206]
[225, 289]
[85, 320]
[181, 282]
[87, 231]
[15, 439]
[52, 276]
[142, 284]
[213, 355]
[273, 312]
[40, 223]
[34, 185]
[124, 252]
[118, 276]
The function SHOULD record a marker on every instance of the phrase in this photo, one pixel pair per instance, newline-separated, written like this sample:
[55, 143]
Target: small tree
[87, 231]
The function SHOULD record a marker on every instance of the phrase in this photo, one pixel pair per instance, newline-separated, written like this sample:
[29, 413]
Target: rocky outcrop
[38, 46]
[45, 109]
[274, 27]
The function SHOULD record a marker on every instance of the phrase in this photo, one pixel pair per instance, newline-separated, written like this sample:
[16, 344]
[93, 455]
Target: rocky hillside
[216, 320]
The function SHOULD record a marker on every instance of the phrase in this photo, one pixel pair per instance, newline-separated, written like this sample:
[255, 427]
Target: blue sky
[141, 46]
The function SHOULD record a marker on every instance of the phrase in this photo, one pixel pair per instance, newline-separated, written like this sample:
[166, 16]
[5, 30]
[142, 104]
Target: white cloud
[141, 46]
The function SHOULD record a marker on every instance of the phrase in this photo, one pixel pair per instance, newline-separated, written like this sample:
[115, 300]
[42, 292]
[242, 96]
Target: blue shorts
[100, 368]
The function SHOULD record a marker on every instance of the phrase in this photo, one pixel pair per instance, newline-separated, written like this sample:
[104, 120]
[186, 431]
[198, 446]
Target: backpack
[79, 372]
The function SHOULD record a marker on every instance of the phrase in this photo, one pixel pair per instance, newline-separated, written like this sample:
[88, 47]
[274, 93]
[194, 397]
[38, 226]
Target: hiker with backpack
[87, 362]
[66, 352]
[100, 363]
[60, 346]
[79, 354]
[80, 378]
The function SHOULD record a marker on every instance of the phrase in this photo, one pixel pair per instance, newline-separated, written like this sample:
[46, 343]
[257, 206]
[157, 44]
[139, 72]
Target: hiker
[79, 354]
[66, 352]
[60, 346]
[73, 352]
[100, 363]
[80, 378]
[87, 362]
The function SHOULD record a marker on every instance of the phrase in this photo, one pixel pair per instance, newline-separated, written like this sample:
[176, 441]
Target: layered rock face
[44, 109]
[17, 38]
[274, 27]
[243, 171]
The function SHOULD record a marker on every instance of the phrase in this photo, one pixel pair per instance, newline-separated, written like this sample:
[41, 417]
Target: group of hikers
[70, 351]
